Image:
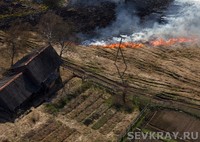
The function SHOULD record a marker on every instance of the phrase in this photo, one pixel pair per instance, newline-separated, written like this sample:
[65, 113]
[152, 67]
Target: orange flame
[157, 42]
[125, 44]
[162, 42]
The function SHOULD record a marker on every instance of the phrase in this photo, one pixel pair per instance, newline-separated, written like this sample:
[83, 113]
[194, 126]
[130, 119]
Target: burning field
[154, 49]
[154, 43]
[159, 50]
[167, 24]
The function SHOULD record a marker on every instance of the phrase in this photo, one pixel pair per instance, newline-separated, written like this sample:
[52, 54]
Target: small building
[31, 80]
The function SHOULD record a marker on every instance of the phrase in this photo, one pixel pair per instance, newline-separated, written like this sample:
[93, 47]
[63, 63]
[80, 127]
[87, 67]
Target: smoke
[185, 22]
[180, 19]
[125, 22]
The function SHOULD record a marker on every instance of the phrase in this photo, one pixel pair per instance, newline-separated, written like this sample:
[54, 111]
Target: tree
[47, 25]
[16, 38]
[64, 35]
[55, 30]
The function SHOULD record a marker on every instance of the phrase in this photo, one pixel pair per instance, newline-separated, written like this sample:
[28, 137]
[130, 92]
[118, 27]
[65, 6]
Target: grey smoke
[185, 23]
[124, 24]
[183, 20]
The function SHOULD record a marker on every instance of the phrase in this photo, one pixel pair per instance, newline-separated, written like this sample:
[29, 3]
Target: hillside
[170, 72]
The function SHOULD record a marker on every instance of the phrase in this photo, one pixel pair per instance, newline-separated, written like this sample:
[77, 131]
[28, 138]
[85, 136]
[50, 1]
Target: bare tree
[55, 30]
[47, 24]
[16, 38]
[64, 35]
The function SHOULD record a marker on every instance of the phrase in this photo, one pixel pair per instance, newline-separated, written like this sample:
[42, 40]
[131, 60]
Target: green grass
[54, 108]
[109, 101]
[51, 108]
[138, 123]
[85, 85]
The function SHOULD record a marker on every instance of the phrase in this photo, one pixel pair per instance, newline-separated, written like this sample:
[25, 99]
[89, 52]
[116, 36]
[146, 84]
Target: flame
[155, 43]
[172, 41]
[125, 44]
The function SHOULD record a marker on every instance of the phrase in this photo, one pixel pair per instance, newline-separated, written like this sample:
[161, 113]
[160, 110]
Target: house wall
[5, 115]
[3, 105]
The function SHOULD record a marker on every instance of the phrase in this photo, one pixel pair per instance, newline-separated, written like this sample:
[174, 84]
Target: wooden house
[31, 80]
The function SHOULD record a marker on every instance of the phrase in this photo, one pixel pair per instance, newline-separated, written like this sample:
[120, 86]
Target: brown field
[173, 121]
[52, 131]
[169, 72]
[166, 121]
[93, 117]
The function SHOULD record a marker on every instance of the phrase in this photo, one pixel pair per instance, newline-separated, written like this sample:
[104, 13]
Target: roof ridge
[11, 80]
[38, 53]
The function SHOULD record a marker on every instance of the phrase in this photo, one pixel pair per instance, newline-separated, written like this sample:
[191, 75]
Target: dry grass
[171, 71]
[13, 131]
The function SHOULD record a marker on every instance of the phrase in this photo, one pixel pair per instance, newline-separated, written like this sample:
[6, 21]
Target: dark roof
[16, 90]
[28, 75]
[24, 60]
[40, 64]
[45, 63]
[47, 52]
[5, 80]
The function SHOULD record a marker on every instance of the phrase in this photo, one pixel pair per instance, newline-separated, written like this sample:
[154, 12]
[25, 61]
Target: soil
[170, 122]
[173, 121]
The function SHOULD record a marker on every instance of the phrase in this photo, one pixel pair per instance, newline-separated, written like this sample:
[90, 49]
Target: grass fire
[154, 43]
[172, 41]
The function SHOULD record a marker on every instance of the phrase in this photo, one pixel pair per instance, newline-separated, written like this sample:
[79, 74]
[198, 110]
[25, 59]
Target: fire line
[172, 41]
[125, 44]
[155, 43]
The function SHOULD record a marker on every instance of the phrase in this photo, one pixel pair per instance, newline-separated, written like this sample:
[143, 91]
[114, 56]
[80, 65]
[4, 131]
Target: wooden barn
[31, 80]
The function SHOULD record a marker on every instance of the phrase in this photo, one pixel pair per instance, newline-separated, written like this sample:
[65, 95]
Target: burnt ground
[84, 18]
[15, 10]
[87, 18]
